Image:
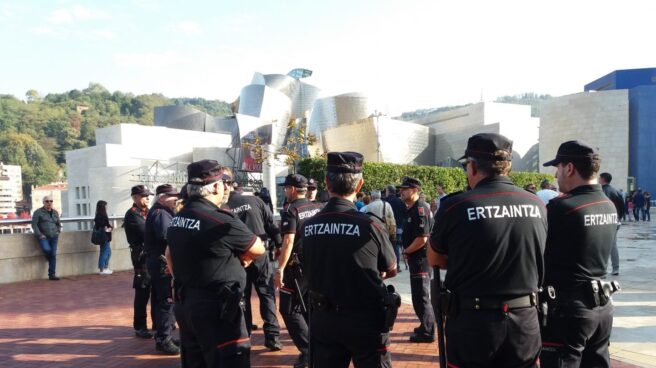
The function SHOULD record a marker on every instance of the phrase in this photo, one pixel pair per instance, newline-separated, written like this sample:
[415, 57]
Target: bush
[378, 175]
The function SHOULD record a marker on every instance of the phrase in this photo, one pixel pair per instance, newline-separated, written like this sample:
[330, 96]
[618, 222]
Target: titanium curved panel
[180, 117]
[333, 111]
[382, 140]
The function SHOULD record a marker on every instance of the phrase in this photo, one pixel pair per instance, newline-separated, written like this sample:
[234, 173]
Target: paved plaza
[86, 321]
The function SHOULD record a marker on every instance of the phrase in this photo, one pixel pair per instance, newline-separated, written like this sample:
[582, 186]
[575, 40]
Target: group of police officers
[525, 284]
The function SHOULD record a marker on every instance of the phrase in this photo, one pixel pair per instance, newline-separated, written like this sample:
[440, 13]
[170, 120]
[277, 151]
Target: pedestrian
[155, 243]
[134, 224]
[615, 197]
[266, 198]
[209, 248]
[546, 193]
[530, 187]
[647, 205]
[101, 223]
[383, 211]
[289, 277]
[639, 205]
[582, 229]
[491, 240]
[47, 227]
[359, 203]
[399, 219]
[347, 294]
[415, 236]
[258, 218]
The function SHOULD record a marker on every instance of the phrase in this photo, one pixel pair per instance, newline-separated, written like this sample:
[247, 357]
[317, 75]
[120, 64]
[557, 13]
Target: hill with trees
[37, 132]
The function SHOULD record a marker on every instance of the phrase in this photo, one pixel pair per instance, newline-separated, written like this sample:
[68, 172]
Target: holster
[141, 279]
[599, 292]
[449, 304]
[391, 303]
[233, 302]
[546, 299]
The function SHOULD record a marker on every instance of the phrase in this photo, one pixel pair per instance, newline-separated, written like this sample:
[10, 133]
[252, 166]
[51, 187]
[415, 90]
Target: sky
[404, 55]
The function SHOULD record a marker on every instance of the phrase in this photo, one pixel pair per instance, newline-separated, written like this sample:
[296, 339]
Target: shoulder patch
[421, 211]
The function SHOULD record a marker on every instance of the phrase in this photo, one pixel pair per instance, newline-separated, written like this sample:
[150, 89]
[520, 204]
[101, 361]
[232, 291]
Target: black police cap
[140, 190]
[573, 151]
[295, 180]
[312, 184]
[483, 146]
[204, 172]
[344, 162]
[410, 183]
[167, 189]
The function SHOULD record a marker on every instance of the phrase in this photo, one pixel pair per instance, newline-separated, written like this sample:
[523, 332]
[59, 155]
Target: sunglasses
[47, 201]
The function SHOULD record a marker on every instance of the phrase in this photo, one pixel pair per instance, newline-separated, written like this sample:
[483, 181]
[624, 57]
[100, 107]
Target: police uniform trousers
[342, 335]
[142, 293]
[260, 275]
[577, 335]
[162, 300]
[212, 330]
[492, 338]
[420, 289]
[296, 320]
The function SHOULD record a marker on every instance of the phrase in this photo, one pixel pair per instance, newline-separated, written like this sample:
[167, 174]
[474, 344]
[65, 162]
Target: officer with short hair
[134, 223]
[582, 228]
[289, 278]
[209, 248]
[257, 216]
[346, 282]
[491, 241]
[417, 226]
[155, 243]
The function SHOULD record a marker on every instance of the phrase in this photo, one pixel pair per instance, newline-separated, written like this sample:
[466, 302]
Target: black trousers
[420, 289]
[142, 293]
[260, 275]
[339, 337]
[491, 338]
[162, 301]
[295, 320]
[577, 335]
[212, 333]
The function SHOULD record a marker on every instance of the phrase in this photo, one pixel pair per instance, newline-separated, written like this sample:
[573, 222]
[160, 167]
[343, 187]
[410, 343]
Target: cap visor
[553, 162]
[463, 157]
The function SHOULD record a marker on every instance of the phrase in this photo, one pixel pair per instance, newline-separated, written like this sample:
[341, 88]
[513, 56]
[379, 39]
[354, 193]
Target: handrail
[63, 220]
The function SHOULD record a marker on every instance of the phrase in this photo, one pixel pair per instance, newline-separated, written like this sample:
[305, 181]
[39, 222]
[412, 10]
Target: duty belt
[494, 303]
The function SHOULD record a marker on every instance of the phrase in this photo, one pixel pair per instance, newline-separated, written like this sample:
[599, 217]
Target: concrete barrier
[21, 258]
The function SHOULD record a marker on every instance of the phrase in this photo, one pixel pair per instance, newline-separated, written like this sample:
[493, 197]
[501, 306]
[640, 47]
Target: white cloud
[188, 28]
[41, 31]
[150, 60]
[76, 13]
[104, 34]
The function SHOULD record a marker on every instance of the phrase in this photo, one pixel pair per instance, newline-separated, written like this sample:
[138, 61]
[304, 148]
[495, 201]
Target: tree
[37, 166]
[33, 96]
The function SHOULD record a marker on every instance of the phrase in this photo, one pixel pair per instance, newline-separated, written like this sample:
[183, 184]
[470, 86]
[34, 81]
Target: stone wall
[21, 258]
[600, 119]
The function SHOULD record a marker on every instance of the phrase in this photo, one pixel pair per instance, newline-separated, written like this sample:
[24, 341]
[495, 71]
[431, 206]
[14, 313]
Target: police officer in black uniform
[155, 242]
[416, 228]
[289, 277]
[134, 224]
[347, 254]
[311, 194]
[209, 249]
[491, 241]
[257, 216]
[582, 229]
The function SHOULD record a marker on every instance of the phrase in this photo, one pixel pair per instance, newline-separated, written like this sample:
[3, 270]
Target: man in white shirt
[382, 210]
[546, 193]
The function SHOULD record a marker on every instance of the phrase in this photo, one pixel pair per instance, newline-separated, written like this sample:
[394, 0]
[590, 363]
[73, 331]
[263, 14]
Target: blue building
[641, 84]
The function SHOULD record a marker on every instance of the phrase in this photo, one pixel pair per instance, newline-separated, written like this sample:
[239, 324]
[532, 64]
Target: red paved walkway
[87, 322]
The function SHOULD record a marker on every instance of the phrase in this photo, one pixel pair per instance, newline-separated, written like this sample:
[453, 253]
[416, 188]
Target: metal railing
[24, 226]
